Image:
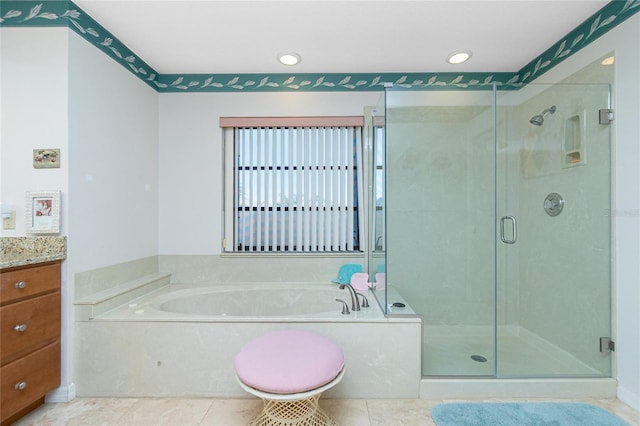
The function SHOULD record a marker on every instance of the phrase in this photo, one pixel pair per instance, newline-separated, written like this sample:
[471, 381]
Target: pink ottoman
[289, 370]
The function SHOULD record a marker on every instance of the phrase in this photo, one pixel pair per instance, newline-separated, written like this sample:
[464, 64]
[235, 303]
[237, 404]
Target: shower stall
[497, 227]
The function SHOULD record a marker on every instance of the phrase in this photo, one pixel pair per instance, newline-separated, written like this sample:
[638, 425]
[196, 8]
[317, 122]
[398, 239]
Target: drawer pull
[20, 328]
[20, 284]
[20, 385]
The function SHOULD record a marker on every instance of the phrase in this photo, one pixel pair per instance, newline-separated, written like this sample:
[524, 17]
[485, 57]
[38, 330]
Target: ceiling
[348, 36]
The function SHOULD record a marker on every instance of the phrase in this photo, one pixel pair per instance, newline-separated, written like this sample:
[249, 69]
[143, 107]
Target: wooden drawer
[25, 282]
[39, 318]
[40, 373]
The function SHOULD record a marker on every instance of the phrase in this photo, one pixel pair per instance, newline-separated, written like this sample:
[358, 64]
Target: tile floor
[232, 412]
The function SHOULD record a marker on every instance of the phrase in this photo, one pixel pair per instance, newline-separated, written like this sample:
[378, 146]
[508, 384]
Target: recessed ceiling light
[289, 58]
[608, 61]
[459, 57]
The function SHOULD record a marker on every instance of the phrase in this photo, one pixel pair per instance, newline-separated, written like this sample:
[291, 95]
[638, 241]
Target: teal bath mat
[523, 414]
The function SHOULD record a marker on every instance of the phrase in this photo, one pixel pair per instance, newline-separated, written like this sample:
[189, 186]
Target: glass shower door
[440, 209]
[553, 247]
[498, 228]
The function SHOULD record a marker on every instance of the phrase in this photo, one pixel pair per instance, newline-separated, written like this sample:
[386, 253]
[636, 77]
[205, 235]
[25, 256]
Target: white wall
[113, 170]
[60, 92]
[34, 62]
[190, 213]
[624, 40]
[35, 100]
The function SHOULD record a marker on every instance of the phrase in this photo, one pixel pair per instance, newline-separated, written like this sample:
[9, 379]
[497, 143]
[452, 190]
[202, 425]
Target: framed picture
[43, 212]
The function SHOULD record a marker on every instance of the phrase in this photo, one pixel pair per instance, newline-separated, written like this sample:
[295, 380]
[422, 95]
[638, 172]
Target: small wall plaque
[46, 158]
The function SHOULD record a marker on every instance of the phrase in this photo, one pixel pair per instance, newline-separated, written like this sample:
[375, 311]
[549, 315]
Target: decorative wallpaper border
[330, 82]
[612, 14]
[54, 13]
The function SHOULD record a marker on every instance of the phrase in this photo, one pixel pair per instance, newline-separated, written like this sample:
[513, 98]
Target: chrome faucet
[345, 308]
[365, 302]
[355, 303]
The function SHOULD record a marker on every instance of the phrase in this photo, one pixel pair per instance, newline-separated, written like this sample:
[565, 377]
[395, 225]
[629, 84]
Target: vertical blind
[296, 188]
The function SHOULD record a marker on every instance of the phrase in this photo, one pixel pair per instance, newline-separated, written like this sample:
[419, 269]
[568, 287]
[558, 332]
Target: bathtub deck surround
[165, 358]
[89, 283]
[103, 289]
[152, 344]
[93, 305]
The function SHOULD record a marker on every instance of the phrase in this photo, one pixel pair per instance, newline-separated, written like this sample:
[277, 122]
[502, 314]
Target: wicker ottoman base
[303, 412]
[296, 409]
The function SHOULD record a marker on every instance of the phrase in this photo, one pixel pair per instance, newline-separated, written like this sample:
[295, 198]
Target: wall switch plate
[9, 222]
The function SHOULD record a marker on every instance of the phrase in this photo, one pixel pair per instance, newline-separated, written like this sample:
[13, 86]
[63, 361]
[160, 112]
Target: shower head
[538, 120]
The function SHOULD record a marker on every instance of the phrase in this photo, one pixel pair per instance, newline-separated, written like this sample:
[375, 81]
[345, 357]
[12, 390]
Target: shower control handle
[514, 230]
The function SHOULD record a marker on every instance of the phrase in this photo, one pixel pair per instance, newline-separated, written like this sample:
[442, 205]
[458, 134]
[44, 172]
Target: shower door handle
[514, 230]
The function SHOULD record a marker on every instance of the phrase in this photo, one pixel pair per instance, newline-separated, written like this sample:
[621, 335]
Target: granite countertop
[21, 251]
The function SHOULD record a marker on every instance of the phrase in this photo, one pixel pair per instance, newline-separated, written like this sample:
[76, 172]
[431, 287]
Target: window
[379, 240]
[293, 184]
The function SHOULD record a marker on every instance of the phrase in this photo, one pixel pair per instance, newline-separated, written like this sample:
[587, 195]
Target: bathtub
[181, 340]
[245, 302]
[255, 302]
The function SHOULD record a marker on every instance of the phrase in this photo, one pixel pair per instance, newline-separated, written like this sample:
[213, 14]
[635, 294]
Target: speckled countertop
[20, 251]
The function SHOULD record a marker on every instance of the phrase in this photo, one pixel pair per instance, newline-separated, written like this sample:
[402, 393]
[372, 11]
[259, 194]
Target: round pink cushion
[289, 361]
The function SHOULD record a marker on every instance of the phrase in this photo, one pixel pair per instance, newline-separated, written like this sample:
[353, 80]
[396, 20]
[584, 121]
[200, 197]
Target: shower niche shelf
[573, 141]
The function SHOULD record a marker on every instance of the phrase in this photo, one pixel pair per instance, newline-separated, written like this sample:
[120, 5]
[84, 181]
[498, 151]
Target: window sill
[352, 255]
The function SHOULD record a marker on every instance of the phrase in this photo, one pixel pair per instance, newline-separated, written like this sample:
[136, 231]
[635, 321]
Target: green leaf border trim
[611, 15]
[329, 82]
[55, 13]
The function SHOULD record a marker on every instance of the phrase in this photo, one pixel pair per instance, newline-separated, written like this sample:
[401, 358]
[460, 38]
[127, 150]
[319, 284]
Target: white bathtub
[245, 302]
[181, 340]
[267, 300]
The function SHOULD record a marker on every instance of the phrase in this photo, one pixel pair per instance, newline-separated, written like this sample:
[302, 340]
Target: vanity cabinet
[29, 337]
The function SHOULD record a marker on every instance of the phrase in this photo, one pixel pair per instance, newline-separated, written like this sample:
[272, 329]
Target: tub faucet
[345, 308]
[355, 303]
[365, 302]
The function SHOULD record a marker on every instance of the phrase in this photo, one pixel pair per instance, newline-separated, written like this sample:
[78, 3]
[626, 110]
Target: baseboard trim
[629, 398]
[451, 388]
[62, 394]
